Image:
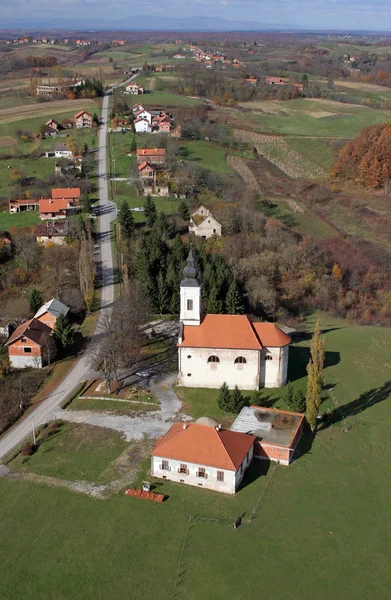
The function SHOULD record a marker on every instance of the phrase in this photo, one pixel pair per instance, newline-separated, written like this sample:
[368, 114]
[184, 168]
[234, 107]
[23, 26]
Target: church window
[189, 374]
[189, 305]
[240, 360]
[189, 356]
[268, 357]
[213, 359]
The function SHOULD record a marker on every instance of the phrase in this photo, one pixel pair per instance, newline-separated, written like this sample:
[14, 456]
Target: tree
[315, 377]
[233, 300]
[215, 305]
[87, 269]
[35, 300]
[133, 145]
[237, 400]
[63, 332]
[126, 220]
[336, 272]
[150, 211]
[224, 399]
[288, 395]
[298, 401]
[162, 295]
[183, 211]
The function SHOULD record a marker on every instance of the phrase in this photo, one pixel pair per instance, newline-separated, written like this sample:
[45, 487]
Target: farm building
[50, 311]
[151, 155]
[27, 346]
[203, 224]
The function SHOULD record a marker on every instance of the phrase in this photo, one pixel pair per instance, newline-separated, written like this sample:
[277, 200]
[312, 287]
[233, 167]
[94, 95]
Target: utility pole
[34, 438]
[20, 393]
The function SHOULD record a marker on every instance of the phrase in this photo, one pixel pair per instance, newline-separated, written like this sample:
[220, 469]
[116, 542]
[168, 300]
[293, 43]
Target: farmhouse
[145, 170]
[277, 431]
[83, 119]
[60, 150]
[49, 312]
[134, 88]
[27, 346]
[203, 456]
[71, 194]
[142, 125]
[59, 208]
[52, 232]
[143, 114]
[52, 125]
[203, 224]
[213, 349]
[176, 132]
[152, 155]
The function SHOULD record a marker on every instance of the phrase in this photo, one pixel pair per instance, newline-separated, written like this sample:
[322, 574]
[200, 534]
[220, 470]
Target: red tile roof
[233, 331]
[144, 165]
[204, 445]
[53, 206]
[82, 112]
[69, 193]
[33, 330]
[151, 152]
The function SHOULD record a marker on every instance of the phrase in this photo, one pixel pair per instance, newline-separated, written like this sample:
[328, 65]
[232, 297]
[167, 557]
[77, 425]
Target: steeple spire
[190, 271]
[190, 293]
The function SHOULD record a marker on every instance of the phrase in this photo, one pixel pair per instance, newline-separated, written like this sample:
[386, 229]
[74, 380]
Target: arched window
[240, 360]
[213, 359]
[268, 357]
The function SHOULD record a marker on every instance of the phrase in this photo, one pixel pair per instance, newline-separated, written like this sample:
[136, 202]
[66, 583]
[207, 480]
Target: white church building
[214, 349]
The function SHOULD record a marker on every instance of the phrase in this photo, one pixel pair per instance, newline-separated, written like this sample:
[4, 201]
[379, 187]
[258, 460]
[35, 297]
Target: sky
[310, 14]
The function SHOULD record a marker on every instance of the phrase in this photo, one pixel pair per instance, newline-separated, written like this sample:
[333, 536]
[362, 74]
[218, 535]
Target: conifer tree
[237, 400]
[63, 332]
[298, 401]
[183, 211]
[215, 305]
[234, 301]
[126, 220]
[35, 300]
[315, 377]
[288, 395]
[224, 399]
[150, 211]
[133, 145]
[162, 295]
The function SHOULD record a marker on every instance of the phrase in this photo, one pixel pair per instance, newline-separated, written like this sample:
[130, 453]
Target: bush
[29, 449]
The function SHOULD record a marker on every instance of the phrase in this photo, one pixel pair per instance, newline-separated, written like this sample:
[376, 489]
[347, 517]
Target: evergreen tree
[162, 227]
[126, 220]
[35, 300]
[233, 300]
[298, 401]
[183, 211]
[315, 377]
[178, 252]
[175, 304]
[63, 332]
[215, 305]
[162, 295]
[133, 145]
[224, 399]
[237, 400]
[288, 395]
[150, 211]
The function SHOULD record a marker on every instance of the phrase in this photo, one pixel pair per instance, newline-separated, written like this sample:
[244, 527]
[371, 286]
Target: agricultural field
[206, 155]
[332, 502]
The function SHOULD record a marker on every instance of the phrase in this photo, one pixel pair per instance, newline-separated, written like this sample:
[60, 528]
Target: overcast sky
[315, 14]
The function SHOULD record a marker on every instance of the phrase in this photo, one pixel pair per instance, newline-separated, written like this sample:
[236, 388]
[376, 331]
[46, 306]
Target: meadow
[318, 528]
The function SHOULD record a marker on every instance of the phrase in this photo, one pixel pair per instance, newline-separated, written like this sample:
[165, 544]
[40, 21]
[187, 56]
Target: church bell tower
[190, 293]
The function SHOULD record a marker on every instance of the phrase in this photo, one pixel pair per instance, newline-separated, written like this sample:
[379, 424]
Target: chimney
[184, 426]
[218, 427]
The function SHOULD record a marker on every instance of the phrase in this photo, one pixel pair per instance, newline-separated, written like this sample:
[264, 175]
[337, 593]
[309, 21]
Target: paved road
[107, 212]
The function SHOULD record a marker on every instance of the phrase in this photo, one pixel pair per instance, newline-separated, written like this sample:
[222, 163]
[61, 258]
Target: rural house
[71, 194]
[59, 208]
[28, 345]
[203, 456]
[151, 155]
[50, 311]
[146, 171]
[277, 432]
[213, 349]
[83, 119]
[142, 125]
[22, 205]
[203, 224]
[134, 88]
[60, 150]
[52, 232]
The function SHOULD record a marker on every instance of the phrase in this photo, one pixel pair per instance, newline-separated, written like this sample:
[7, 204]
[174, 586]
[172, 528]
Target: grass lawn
[75, 451]
[129, 193]
[206, 155]
[166, 99]
[113, 406]
[19, 220]
[315, 150]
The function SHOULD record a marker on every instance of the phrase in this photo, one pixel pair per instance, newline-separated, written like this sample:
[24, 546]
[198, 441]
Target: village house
[134, 88]
[59, 208]
[151, 155]
[48, 90]
[28, 345]
[22, 205]
[252, 80]
[277, 432]
[50, 311]
[176, 132]
[213, 349]
[143, 114]
[156, 190]
[52, 126]
[52, 232]
[60, 150]
[203, 456]
[70, 194]
[145, 170]
[68, 124]
[142, 125]
[83, 119]
[136, 108]
[203, 224]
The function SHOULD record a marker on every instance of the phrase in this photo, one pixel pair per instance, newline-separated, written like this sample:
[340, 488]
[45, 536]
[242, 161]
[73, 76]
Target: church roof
[204, 445]
[235, 332]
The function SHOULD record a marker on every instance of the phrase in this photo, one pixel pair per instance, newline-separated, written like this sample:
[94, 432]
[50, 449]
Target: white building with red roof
[214, 349]
[203, 456]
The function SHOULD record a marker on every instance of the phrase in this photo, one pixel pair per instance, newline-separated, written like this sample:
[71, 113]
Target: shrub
[29, 449]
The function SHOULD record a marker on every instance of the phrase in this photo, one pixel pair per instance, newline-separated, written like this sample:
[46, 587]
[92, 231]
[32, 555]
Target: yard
[318, 528]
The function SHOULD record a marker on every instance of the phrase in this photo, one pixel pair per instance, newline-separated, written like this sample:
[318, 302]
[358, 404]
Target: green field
[165, 99]
[318, 529]
[111, 406]
[206, 155]
[18, 220]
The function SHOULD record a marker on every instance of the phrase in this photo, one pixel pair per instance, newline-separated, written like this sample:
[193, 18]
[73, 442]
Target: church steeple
[190, 293]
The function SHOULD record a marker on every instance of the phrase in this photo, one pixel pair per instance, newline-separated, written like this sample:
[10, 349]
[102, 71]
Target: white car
[143, 374]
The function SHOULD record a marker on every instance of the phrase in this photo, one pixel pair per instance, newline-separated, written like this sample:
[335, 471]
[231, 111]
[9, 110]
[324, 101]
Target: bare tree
[87, 269]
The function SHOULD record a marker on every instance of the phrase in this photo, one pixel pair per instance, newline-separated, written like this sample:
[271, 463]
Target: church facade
[214, 349]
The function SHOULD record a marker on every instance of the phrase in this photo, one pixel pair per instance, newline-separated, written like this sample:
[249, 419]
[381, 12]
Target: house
[50, 208]
[5, 242]
[49, 312]
[145, 170]
[48, 90]
[143, 114]
[277, 432]
[157, 191]
[134, 88]
[176, 132]
[136, 108]
[203, 224]
[53, 232]
[68, 123]
[22, 205]
[164, 126]
[28, 345]
[71, 194]
[83, 119]
[60, 150]
[275, 81]
[203, 456]
[213, 349]
[52, 125]
[151, 155]
[142, 125]
[252, 80]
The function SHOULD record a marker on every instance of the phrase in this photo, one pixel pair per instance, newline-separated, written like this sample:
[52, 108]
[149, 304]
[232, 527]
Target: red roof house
[27, 346]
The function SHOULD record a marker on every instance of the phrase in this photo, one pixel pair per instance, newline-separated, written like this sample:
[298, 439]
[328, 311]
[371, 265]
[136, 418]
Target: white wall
[228, 486]
[24, 362]
[142, 127]
[213, 375]
[208, 228]
[274, 372]
[191, 317]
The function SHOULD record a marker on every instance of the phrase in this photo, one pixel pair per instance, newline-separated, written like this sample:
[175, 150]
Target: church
[214, 349]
